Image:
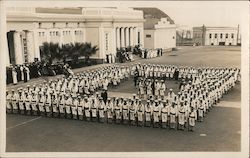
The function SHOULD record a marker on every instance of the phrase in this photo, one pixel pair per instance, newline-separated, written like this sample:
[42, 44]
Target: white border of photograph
[244, 15]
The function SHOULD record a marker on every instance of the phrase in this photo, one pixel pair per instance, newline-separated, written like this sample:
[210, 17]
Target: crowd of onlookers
[25, 72]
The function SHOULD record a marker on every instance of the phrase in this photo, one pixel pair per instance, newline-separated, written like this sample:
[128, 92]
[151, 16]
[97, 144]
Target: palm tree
[65, 51]
[76, 51]
[50, 52]
[87, 50]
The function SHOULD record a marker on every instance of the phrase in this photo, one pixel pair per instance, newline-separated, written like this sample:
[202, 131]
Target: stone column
[131, 31]
[122, 38]
[118, 39]
[36, 45]
[30, 46]
[19, 59]
[73, 39]
[136, 36]
[127, 37]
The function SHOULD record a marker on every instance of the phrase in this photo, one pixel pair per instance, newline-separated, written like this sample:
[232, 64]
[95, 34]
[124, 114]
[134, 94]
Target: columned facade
[109, 30]
[128, 36]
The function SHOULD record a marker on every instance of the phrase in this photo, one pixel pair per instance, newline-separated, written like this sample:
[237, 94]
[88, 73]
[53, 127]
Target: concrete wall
[149, 42]
[165, 38]
[92, 36]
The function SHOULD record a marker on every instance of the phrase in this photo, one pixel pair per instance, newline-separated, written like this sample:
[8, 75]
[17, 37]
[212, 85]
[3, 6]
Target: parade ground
[220, 130]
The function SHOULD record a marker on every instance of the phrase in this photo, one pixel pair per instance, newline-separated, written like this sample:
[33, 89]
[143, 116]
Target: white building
[159, 29]
[108, 28]
[217, 35]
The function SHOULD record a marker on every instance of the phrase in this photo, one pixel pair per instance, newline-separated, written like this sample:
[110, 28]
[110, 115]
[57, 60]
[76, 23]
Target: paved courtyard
[220, 131]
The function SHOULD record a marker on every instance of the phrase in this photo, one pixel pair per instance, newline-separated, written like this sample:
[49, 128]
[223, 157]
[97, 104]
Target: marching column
[118, 41]
[122, 38]
[18, 48]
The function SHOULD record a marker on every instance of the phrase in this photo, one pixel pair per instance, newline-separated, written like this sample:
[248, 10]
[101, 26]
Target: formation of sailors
[76, 97]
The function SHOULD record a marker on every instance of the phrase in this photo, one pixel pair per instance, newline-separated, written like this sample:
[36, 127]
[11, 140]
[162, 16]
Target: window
[210, 35]
[232, 35]
[215, 35]
[39, 25]
[173, 37]
[78, 24]
[54, 24]
[226, 35]
[221, 35]
[106, 41]
[25, 50]
[39, 33]
[57, 34]
[67, 24]
[148, 36]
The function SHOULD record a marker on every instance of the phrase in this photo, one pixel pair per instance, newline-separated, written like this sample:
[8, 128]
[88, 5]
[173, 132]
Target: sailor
[87, 108]
[62, 106]
[200, 110]
[162, 88]
[140, 113]
[191, 120]
[21, 102]
[55, 105]
[34, 102]
[74, 107]
[118, 110]
[27, 103]
[132, 112]
[148, 114]
[94, 108]
[48, 107]
[41, 104]
[181, 116]
[173, 116]
[15, 100]
[68, 103]
[101, 110]
[109, 105]
[164, 115]
[156, 114]
[9, 102]
[80, 108]
[125, 112]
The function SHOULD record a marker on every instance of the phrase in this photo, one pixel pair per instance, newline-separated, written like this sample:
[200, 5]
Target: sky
[208, 14]
[184, 13]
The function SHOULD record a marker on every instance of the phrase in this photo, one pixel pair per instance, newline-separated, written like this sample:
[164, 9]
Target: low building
[216, 35]
[108, 28]
[159, 29]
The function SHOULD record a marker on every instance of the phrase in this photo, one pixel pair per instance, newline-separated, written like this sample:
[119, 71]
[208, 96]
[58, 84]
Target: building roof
[152, 16]
[59, 10]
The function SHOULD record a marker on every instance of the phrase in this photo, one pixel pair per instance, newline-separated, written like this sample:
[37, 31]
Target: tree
[88, 50]
[65, 51]
[50, 52]
[76, 51]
